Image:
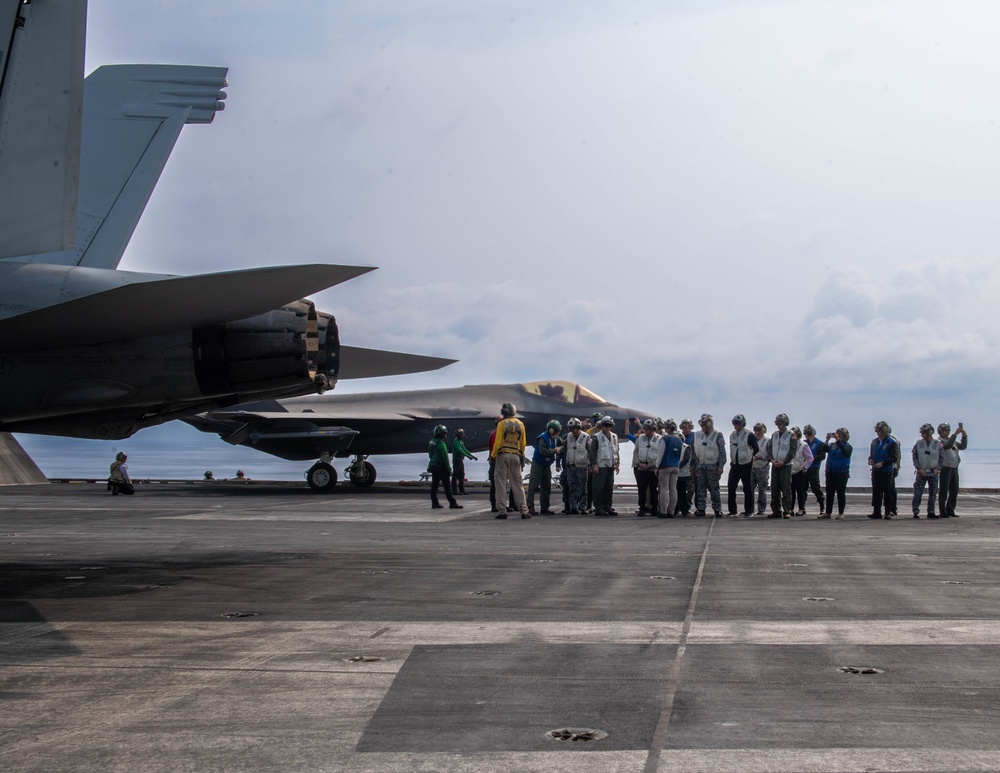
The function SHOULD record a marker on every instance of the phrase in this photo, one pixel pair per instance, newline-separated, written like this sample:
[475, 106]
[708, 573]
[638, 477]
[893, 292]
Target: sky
[724, 207]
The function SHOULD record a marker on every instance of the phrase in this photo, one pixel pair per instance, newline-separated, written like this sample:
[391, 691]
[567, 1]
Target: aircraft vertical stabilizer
[133, 115]
[41, 96]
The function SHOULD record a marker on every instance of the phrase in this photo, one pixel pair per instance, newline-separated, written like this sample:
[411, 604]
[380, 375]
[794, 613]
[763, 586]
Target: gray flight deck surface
[690, 643]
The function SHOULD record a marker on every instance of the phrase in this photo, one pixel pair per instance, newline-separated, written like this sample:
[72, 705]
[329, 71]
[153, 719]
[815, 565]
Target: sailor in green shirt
[440, 468]
[459, 454]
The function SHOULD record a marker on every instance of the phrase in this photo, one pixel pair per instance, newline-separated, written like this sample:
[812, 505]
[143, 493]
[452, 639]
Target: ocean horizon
[183, 453]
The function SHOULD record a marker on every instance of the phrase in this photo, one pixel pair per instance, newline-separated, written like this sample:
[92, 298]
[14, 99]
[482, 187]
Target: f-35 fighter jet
[360, 425]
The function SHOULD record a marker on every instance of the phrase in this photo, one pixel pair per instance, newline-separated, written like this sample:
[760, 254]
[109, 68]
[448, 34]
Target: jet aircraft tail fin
[41, 96]
[79, 158]
[356, 362]
[132, 117]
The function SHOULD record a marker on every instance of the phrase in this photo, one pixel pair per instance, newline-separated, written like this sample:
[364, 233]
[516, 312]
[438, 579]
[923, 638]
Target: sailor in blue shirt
[882, 457]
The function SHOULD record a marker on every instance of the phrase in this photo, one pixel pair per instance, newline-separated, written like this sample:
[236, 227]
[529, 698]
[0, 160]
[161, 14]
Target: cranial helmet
[944, 427]
[607, 421]
[740, 419]
[459, 432]
[508, 409]
[882, 427]
[760, 427]
[842, 431]
[705, 419]
[670, 425]
[553, 425]
[781, 418]
[120, 456]
[596, 418]
[440, 430]
[574, 424]
[649, 424]
[796, 431]
[926, 429]
[809, 429]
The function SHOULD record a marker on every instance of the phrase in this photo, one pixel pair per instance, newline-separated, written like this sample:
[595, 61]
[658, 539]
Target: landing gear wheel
[322, 477]
[366, 479]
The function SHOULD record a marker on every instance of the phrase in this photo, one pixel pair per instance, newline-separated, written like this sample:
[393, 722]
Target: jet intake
[281, 350]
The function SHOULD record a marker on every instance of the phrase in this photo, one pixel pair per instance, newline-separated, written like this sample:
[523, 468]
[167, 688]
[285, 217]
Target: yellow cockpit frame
[564, 392]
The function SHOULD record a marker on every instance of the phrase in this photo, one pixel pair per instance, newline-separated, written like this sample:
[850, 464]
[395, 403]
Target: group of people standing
[677, 467]
[935, 462]
[789, 463]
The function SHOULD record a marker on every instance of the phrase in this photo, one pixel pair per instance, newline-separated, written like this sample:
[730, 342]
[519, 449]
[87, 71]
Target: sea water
[183, 453]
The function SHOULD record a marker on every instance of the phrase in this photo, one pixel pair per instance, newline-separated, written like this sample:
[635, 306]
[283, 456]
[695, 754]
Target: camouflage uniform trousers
[918, 493]
[761, 478]
[577, 484]
[708, 484]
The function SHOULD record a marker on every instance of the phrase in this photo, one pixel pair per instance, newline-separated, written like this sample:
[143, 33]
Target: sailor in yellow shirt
[508, 453]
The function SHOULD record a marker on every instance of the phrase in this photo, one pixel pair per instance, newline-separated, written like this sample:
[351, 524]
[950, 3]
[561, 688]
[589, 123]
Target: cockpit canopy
[564, 392]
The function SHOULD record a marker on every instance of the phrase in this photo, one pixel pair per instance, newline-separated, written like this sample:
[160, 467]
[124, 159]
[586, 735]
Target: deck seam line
[663, 723]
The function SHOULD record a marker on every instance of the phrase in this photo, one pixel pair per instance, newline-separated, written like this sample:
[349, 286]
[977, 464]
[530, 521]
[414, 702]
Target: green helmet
[508, 409]
[440, 431]
[553, 425]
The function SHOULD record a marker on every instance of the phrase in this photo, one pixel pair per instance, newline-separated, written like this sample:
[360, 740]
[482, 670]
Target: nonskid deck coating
[689, 641]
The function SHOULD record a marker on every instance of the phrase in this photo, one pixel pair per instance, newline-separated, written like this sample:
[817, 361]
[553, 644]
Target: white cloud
[737, 207]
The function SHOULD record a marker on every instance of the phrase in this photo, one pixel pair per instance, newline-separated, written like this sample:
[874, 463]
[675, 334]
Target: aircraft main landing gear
[321, 476]
[361, 473]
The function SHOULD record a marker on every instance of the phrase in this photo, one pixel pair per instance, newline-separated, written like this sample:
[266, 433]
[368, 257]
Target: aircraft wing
[152, 307]
[356, 362]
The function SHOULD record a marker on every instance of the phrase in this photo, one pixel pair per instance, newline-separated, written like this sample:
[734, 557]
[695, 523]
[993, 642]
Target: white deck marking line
[663, 723]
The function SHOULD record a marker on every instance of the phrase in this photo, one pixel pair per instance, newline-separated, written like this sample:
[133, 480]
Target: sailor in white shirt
[645, 457]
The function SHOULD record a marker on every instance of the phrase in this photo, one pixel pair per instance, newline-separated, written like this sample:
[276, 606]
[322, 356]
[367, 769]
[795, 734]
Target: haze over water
[181, 452]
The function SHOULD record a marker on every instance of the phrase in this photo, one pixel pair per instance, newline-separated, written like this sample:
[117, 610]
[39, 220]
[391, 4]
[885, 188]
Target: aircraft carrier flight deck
[201, 627]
